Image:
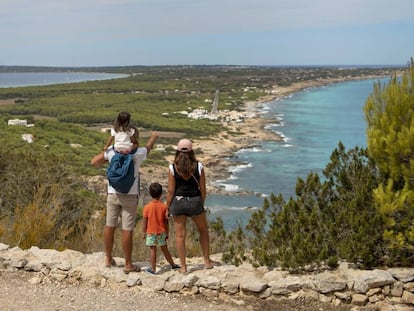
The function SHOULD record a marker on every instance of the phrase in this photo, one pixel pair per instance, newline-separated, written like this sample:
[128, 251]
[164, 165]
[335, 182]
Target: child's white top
[122, 140]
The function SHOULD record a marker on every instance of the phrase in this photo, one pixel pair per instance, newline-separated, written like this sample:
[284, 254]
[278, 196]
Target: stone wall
[391, 289]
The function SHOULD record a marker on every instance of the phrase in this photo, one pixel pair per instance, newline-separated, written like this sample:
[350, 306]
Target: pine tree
[389, 112]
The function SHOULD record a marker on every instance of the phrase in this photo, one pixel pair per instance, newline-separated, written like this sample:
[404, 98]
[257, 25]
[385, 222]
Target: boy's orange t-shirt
[155, 212]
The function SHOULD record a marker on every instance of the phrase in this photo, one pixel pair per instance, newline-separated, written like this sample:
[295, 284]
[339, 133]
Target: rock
[374, 291]
[345, 285]
[188, 280]
[153, 282]
[3, 247]
[402, 274]
[173, 285]
[274, 275]
[397, 289]
[133, 279]
[35, 280]
[327, 282]
[409, 286]
[359, 300]
[18, 262]
[286, 285]
[372, 279]
[210, 282]
[231, 286]
[408, 297]
[344, 296]
[34, 265]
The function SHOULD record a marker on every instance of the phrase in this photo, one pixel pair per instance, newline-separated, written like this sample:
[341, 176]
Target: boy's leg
[153, 256]
[167, 255]
[162, 243]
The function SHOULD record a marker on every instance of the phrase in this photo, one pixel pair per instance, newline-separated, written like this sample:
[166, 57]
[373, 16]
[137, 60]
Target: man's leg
[127, 248]
[112, 212]
[129, 205]
[108, 244]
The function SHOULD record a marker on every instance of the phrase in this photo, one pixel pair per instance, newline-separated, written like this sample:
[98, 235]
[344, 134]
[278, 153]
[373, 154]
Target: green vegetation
[67, 114]
[390, 115]
[328, 220]
[360, 211]
[43, 203]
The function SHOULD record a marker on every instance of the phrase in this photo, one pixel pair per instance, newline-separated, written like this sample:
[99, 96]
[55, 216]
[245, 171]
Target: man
[124, 205]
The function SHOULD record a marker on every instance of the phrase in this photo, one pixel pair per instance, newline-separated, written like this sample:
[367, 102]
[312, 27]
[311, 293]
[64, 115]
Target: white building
[17, 122]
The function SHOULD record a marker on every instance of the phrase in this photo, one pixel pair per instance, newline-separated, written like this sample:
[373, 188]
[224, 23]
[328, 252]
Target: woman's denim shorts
[188, 206]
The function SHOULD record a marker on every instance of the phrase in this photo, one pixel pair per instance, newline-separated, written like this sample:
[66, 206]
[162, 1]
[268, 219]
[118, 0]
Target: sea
[17, 79]
[311, 123]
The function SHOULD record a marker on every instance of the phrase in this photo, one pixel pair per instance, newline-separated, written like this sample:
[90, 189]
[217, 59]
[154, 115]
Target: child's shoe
[150, 271]
[175, 267]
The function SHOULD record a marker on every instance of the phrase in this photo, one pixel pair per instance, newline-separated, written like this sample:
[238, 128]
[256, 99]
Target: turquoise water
[312, 122]
[16, 79]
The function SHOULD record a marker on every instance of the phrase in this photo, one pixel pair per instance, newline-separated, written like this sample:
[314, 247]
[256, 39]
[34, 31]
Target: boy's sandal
[175, 267]
[150, 271]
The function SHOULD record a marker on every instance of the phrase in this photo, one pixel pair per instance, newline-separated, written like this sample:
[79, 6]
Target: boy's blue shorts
[159, 239]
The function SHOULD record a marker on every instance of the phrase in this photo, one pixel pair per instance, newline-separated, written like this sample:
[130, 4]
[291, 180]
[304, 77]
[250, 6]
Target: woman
[185, 198]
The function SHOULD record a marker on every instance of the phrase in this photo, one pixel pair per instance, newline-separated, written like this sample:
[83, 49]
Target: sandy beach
[248, 132]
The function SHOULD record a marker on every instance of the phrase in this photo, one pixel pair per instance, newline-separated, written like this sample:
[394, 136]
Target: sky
[78, 33]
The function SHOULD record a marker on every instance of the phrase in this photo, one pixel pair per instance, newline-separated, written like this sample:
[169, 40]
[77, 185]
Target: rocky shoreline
[247, 132]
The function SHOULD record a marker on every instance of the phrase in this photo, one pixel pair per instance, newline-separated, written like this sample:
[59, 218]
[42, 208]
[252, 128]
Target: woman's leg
[180, 232]
[202, 226]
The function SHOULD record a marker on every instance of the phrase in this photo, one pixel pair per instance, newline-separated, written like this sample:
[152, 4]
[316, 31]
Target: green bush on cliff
[329, 219]
[389, 112]
[45, 204]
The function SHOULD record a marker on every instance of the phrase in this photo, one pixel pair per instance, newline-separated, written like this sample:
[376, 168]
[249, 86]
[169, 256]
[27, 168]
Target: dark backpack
[120, 172]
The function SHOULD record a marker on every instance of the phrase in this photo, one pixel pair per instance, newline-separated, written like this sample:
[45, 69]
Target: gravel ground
[16, 293]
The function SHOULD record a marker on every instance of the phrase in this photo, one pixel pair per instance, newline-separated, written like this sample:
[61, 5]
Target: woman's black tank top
[187, 188]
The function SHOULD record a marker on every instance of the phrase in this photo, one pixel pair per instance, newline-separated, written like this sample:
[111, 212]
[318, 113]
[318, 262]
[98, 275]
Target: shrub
[329, 219]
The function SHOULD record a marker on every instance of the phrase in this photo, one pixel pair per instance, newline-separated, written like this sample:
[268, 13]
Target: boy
[155, 227]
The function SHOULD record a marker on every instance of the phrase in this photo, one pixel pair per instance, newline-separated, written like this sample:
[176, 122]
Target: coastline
[214, 152]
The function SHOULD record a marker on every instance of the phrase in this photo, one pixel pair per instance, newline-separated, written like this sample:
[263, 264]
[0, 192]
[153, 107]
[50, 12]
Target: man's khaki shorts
[123, 205]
